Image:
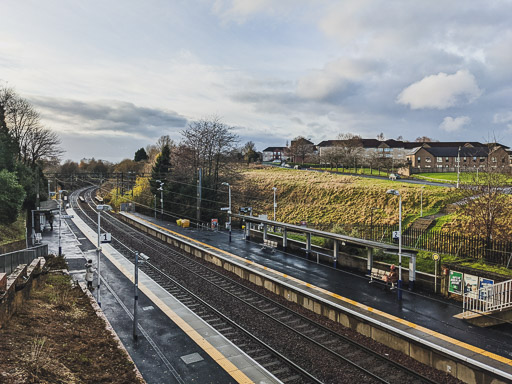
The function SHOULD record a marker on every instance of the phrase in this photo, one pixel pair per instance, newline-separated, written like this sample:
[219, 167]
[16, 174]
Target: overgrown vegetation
[56, 337]
[12, 232]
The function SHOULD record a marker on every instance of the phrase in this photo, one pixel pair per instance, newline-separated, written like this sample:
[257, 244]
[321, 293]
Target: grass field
[358, 171]
[451, 177]
[324, 198]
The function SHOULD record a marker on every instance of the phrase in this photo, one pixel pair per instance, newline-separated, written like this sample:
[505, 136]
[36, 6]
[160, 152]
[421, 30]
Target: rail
[9, 261]
[494, 297]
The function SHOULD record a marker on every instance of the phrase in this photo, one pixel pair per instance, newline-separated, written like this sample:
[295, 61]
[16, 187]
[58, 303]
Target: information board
[455, 284]
[484, 283]
[471, 285]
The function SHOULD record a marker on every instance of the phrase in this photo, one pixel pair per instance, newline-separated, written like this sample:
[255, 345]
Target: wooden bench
[379, 274]
[269, 244]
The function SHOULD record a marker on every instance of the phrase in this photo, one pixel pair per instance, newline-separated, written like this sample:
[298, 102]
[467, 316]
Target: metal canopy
[329, 235]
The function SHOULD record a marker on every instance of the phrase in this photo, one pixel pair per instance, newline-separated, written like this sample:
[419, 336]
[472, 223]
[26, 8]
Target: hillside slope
[322, 198]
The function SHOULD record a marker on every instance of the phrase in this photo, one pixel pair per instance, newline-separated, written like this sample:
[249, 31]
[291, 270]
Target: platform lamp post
[399, 285]
[275, 204]
[229, 208]
[458, 168]
[421, 199]
[60, 216]
[100, 208]
[140, 258]
[161, 189]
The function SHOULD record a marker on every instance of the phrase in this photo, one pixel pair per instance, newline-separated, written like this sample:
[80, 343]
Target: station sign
[396, 234]
[106, 237]
[67, 216]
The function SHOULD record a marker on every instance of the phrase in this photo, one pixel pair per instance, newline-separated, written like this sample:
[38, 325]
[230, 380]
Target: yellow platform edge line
[214, 353]
[435, 334]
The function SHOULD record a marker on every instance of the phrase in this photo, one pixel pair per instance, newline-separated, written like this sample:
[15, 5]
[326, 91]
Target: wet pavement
[162, 348]
[428, 310]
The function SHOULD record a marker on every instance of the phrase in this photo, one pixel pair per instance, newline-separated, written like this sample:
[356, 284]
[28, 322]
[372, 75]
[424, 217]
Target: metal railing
[494, 297]
[9, 261]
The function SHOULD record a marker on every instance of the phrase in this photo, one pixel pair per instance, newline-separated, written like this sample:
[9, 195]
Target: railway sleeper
[262, 357]
[271, 364]
[290, 378]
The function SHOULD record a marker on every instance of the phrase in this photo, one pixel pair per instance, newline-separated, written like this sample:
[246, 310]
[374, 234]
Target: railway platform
[173, 345]
[421, 317]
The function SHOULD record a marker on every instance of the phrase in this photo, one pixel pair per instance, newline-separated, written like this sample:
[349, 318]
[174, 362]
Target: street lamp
[161, 189]
[100, 208]
[229, 208]
[142, 260]
[458, 167]
[397, 193]
[275, 204]
[421, 198]
[60, 217]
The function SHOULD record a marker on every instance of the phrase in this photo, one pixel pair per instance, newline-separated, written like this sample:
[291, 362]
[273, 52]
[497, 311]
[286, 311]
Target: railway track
[290, 345]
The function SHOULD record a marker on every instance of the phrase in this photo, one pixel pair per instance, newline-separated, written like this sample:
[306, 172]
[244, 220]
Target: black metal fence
[470, 247]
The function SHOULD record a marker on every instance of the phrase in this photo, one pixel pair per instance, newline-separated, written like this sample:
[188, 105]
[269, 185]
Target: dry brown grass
[320, 198]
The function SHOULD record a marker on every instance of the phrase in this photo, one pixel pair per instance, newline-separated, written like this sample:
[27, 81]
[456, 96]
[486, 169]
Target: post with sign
[435, 256]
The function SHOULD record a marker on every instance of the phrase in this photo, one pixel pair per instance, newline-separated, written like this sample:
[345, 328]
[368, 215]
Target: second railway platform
[422, 317]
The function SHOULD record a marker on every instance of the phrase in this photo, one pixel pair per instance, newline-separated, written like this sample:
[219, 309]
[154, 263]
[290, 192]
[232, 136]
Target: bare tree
[300, 149]
[34, 141]
[486, 202]
[349, 149]
[210, 143]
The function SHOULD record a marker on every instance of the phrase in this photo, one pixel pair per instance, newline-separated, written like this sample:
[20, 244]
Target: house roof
[454, 151]
[274, 149]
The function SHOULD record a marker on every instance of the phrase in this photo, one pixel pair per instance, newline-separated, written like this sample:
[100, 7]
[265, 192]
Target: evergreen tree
[11, 197]
[7, 144]
[140, 155]
[161, 169]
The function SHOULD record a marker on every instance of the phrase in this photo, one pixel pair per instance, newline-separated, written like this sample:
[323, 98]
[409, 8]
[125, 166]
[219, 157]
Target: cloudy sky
[113, 76]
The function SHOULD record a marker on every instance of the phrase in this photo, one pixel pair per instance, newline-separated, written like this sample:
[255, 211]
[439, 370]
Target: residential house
[275, 153]
[444, 157]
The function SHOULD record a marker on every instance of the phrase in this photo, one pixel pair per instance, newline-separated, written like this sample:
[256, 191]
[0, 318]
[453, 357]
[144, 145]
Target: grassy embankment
[13, 232]
[320, 198]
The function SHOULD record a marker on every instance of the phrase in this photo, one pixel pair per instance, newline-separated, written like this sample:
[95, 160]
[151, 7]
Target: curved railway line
[293, 347]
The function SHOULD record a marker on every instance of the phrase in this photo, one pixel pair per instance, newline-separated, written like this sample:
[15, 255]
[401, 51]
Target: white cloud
[441, 91]
[450, 124]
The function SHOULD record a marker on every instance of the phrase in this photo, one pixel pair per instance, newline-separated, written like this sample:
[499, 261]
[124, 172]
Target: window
[464, 159]
[439, 159]
[446, 159]
[419, 159]
[474, 158]
[428, 159]
[446, 166]
[482, 159]
[439, 165]
[493, 159]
